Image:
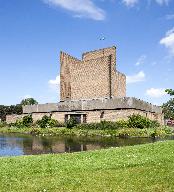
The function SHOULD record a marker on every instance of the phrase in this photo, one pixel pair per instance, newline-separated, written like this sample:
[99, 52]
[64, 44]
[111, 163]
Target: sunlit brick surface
[93, 77]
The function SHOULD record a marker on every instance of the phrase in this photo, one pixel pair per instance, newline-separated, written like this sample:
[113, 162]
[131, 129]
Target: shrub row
[45, 122]
[134, 121]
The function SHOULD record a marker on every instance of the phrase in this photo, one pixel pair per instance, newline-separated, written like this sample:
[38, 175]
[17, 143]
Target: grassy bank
[144, 168]
[123, 132]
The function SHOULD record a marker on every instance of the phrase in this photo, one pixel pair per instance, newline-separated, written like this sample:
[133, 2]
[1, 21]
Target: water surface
[19, 144]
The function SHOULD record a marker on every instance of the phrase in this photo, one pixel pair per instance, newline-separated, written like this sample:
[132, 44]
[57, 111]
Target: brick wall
[38, 116]
[95, 116]
[93, 77]
[100, 53]
[90, 79]
[123, 114]
[59, 116]
[65, 76]
[13, 118]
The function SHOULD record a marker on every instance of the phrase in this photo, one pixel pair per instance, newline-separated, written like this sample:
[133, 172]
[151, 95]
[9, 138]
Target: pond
[18, 144]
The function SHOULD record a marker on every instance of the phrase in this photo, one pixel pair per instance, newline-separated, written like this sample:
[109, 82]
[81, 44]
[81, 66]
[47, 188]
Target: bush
[154, 124]
[104, 125]
[52, 123]
[27, 120]
[18, 123]
[47, 122]
[55, 123]
[3, 124]
[167, 130]
[72, 122]
[134, 121]
[138, 121]
[44, 122]
[121, 124]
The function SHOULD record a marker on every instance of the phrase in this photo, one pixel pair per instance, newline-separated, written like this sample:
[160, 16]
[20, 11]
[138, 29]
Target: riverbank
[146, 167]
[124, 132]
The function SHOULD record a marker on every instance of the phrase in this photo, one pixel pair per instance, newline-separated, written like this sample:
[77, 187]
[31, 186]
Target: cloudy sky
[32, 33]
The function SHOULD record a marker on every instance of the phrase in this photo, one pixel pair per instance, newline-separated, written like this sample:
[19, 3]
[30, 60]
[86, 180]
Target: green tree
[8, 110]
[29, 101]
[168, 107]
[170, 92]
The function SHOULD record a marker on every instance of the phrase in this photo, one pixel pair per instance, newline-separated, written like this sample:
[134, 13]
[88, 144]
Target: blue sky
[32, 33]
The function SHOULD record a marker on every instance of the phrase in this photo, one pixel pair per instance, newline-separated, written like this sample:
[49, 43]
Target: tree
[8, 110]
[168, 107]
[29, 101]
[170, 92]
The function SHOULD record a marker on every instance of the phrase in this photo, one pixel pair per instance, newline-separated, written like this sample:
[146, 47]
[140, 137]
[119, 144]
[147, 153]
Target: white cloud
[136, 78]
[130, 3]
[55, 82]
[168, 41]
[170, 16]
[156, 92]
[141, 60]
[81, 8]
[162, 2]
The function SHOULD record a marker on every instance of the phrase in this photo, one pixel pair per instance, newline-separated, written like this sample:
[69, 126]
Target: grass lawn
[148, 167]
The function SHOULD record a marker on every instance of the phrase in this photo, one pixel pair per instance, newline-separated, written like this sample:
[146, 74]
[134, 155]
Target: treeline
[15, 109]
[9, 110]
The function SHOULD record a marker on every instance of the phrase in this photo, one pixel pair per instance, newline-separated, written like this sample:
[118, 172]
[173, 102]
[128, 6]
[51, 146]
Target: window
[102, 115]
[66, 118]
[84, 118]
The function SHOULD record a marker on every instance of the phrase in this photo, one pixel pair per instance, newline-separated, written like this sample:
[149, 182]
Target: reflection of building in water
[58, 147]
[37, 145]
[41, 145]
[92, 147]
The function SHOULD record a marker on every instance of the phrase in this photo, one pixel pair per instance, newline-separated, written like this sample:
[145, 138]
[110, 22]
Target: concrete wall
[45, 108]
[97, 104]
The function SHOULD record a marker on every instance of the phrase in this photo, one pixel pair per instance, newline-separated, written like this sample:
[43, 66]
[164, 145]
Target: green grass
[148, 167]
[132, 132]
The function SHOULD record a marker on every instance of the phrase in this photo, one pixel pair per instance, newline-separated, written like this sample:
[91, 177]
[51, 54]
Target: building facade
[92, 90]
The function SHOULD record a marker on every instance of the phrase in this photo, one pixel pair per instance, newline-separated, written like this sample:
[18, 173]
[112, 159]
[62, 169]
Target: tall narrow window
[102, 115]
[84, 118]
[66, 118]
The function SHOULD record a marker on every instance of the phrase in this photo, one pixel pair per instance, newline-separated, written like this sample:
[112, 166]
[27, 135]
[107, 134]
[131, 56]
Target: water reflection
[17, 144]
